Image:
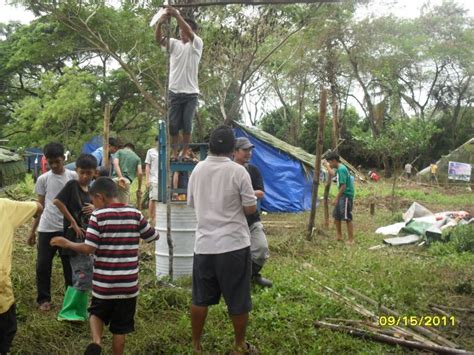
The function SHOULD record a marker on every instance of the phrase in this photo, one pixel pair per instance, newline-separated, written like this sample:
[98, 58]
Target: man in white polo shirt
[221, 192]
[185, 55]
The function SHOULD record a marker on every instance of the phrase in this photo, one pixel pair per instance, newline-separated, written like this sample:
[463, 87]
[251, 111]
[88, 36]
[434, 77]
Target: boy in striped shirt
[113, 237]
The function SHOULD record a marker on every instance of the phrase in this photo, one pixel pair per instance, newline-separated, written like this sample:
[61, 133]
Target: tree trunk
[317, 164]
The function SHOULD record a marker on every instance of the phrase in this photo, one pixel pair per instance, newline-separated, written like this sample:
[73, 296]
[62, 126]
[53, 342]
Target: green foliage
[402, 139]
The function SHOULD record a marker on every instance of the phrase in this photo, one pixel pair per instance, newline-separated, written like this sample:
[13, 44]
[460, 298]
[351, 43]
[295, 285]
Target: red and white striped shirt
[115, 232]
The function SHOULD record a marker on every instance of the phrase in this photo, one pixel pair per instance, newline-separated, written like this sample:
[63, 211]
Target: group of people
[85, 216]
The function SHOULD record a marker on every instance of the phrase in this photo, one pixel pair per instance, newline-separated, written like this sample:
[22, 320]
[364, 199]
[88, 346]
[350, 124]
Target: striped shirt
[115, 232]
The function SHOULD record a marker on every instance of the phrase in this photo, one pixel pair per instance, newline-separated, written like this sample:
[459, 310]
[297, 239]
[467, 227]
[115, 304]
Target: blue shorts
[343, 210]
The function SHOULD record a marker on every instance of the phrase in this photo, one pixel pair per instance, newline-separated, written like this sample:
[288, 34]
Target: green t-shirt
[128, 162]
[344, 178]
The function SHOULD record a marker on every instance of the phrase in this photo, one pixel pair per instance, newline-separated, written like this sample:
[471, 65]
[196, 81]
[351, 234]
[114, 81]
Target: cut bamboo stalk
[422, 330]
[386, 339]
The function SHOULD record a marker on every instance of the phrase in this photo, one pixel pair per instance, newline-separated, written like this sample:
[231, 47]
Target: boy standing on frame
[76, 206]
[185, 55]
[50, 224]
[113, 236]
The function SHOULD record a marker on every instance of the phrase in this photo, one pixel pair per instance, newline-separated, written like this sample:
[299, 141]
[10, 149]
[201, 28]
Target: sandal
[249, 349]
[45, 306]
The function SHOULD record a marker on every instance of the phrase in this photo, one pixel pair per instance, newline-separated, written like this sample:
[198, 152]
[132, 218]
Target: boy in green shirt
[345, 196]
[127, 167]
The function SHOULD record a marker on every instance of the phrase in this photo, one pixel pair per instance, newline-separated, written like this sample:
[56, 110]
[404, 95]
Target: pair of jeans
[44, 265]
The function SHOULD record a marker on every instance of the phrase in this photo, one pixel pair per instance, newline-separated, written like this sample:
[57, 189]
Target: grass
[406, 279]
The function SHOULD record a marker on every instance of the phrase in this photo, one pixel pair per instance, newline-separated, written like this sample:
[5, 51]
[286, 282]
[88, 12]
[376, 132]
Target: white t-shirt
[184, 64]
[49, 185]
[408, 168]
[152, 160]
[218, 189]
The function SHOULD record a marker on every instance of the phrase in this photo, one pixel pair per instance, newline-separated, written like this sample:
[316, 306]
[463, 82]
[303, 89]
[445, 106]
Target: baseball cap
[243, 143]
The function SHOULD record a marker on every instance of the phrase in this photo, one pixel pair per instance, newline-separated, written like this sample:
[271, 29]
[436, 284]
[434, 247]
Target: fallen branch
[440, 311]
[369, 314]
[386, 339]
[422, 330]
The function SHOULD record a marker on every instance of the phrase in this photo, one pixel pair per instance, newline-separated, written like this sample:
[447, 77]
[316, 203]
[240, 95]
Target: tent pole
[169, 237]
[105, 144]
[317, 164]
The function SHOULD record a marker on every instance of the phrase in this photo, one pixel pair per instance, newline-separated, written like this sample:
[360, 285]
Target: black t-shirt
[257, 184]
[74, 198]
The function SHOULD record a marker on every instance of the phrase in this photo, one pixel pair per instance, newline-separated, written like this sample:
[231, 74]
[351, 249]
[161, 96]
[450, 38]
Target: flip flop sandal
[45, 306]
[174, 160]
[250, 349]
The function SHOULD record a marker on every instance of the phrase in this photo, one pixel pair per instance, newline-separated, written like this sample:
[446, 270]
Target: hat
[243, 143]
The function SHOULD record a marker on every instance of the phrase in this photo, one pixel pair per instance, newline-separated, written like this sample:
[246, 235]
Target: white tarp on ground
[392, 229]
[409, 239]
[416, 211]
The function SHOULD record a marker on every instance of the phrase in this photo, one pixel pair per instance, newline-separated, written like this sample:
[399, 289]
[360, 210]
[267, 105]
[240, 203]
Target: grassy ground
[404, 278]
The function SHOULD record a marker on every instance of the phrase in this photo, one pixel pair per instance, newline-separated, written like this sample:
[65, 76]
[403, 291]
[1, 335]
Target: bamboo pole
[358, 308]
[105, 142]
[386, 339]
[169, 237]
[422, 330]
[255, 2]
[317, 164]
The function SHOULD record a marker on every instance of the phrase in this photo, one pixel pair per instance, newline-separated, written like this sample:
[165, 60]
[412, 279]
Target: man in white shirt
[408, 168]
[151, 180]
[185, 55]
[221, 193]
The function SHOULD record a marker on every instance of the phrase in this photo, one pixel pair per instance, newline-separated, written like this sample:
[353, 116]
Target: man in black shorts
[185, 54]
[221, 193]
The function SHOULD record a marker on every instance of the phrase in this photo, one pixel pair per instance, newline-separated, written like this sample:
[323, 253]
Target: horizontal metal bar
[255, 2]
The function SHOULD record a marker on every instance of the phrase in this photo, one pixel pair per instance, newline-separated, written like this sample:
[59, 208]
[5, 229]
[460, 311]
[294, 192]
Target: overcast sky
[402, 8]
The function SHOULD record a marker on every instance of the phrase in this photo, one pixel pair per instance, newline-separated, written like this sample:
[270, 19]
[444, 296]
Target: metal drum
[183, 229]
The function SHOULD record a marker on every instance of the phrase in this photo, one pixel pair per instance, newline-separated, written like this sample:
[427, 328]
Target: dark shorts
[228, 274]
[119, 313]
[7, 329]
[182, 110]
[343, 210]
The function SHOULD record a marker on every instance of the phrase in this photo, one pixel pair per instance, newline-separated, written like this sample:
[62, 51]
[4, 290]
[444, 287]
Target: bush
[460, 239]
[463, 238]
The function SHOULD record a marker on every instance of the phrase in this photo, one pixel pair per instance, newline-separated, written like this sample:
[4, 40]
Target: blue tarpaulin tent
[286, 170]
[92, 145]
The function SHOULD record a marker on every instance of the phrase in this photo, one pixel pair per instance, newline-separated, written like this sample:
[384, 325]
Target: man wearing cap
[220, 191]
[258, 241]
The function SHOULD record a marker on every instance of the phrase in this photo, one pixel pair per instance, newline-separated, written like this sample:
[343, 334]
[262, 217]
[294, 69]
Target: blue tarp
[287, 187]
[93, 144]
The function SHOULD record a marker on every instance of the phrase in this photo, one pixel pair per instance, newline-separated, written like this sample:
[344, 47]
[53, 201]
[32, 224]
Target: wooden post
[372, 208]
[335, 122]
[317, 164]
[169, 237]
[105, 143]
